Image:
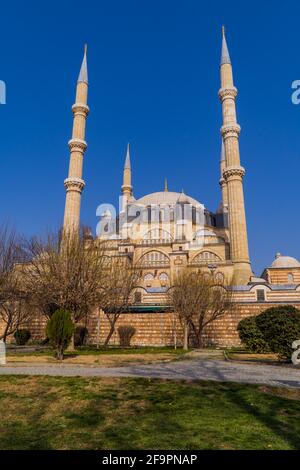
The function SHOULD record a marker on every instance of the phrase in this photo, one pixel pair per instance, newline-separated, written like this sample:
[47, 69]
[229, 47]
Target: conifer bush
[60, 330]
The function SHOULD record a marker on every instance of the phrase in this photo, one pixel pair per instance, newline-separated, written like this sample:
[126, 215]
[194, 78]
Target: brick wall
[162, 329]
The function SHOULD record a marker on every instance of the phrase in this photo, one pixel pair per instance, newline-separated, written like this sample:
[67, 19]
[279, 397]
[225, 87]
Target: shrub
[22, 337]
[251, 336]
[125, 334]
[280, 326]
[80, 336]
[60, 330]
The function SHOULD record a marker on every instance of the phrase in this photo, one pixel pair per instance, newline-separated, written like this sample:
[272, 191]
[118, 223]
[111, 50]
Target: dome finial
[166, 189]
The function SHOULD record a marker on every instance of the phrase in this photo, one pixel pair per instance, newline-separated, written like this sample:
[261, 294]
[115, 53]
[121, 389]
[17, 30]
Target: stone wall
[162, 329]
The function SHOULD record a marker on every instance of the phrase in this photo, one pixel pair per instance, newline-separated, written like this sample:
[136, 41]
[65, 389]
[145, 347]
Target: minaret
[223, 184]
[234, 172]
[74, 184]
[127, 187]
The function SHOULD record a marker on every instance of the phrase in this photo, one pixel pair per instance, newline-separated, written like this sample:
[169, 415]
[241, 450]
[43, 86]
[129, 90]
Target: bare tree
[14, 308]
[118, 286]
[65, 272]
[199, 301]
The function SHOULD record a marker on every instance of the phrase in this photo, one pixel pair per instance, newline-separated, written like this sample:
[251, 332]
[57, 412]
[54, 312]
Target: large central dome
[166, 197]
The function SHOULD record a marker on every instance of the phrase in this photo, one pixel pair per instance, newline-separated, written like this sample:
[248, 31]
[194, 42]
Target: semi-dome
[166, 197]
[285, 262]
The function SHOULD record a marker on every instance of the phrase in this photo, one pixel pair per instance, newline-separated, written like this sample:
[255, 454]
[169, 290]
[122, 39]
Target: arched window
[206, 257]
[149, 277]
[163, 277]
[291, 279]
[157, 235]
[154, 258]
[219, 278]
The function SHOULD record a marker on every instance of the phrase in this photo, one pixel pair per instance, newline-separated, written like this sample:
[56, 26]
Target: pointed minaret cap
[166, 189]
[83, 74]
[225, 57]
[223, 152]
[127, 161]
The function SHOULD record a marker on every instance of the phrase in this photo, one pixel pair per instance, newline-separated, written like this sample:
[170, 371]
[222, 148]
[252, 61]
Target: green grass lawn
[90, 350]
[90, 413]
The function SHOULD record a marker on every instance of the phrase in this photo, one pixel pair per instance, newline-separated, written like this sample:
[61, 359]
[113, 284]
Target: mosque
[166, 231]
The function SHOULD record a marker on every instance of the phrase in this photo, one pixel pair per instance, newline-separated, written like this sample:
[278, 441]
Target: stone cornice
[77, 145]
[74, 184]
[80, 109]
[232, 130]
[233, 172]
[225, 93]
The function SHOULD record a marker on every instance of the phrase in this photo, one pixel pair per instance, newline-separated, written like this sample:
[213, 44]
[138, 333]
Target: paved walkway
[188, 369]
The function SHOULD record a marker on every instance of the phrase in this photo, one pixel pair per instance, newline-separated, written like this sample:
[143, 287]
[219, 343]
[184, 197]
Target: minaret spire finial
[127, 160]
[166, 189]
[225, 57]
[83, 74]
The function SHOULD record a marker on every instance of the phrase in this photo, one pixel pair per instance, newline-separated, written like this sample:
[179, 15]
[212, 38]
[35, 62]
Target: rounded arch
[206, 257]
[157, 234]
[154, 258]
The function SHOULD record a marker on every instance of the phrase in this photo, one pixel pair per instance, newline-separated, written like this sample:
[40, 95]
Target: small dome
[166, 197]
[285, 262]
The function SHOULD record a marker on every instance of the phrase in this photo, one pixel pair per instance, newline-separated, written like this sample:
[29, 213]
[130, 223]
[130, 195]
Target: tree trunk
[111, 332]
[186, 337]
[60, 353]
[71, 346]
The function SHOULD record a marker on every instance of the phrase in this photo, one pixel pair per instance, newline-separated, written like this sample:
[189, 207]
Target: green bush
[60, 330]
[125, 334]
[80, 337]
[22, 337]
[280, 326]
[251, 336]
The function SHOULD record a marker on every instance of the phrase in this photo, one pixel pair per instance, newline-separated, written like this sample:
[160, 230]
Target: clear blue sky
[154, 78]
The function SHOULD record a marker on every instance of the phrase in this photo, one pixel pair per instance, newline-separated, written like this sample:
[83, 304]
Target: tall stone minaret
[74, 184]
[223, 184]
[233, 172]
[127, 187]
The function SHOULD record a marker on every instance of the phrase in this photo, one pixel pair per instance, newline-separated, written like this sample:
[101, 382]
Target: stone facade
[168, 231]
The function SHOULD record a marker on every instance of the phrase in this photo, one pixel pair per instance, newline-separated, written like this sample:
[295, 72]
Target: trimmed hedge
[273, 330]
[251, 336]
[280, 326]
[80, 336]
[22, 337]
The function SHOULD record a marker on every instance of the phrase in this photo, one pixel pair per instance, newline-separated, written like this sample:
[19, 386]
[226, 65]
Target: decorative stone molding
[80, 109]
[225, 93]
[232, 130]
[74, 184]
[77, 145]
[234, 171]
[126, 188]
